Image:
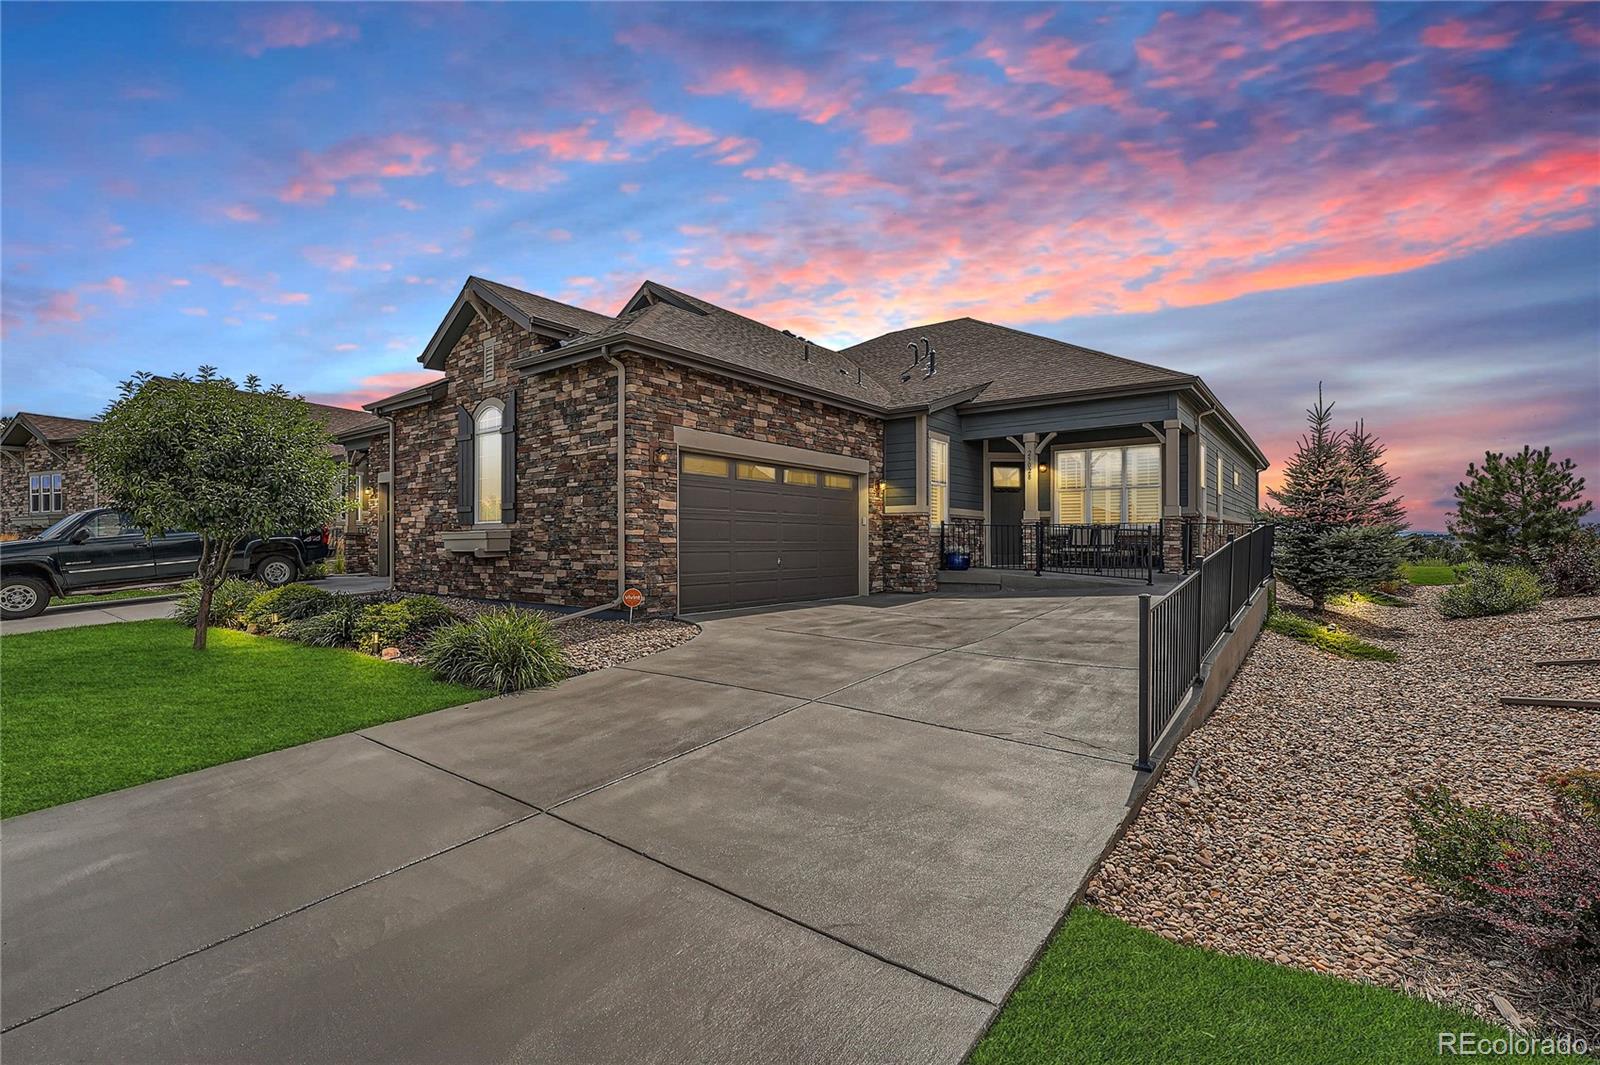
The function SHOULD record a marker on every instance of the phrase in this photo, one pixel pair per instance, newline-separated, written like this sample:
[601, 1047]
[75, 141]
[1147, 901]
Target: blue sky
[1398, 200]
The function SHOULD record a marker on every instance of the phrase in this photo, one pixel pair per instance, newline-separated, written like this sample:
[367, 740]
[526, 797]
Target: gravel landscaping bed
[588, 643]
[1280, 826]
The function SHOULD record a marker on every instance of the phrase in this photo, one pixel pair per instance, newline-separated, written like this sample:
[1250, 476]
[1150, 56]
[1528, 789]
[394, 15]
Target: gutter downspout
[394, 490]
[622, 502]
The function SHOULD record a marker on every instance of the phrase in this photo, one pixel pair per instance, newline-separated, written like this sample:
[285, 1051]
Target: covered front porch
[1096, 502]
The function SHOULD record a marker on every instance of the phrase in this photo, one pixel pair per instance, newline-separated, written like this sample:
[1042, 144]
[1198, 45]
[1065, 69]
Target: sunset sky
[1396, 200]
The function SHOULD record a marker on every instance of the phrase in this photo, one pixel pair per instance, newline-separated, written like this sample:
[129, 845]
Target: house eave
[460, 316]
[415, 397]
[544, 362]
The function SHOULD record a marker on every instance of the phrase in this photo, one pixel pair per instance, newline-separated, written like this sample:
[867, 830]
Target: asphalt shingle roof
[56, 430]
[730, 338]
[1008, 363]
[577, 319]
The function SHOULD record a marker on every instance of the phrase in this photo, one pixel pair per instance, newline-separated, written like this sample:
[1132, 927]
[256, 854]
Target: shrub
[387, 624]
[316, 571]
[1488, 590]
[289, 603]
[334, 627]
[1537, 878]
[1456, 844]
[1573, 567]
[228, 603]
[504, 650]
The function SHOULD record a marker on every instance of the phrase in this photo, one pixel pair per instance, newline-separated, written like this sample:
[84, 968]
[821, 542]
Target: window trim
[1127, 485]
[938, 513]
[53, 492]
[479, 436]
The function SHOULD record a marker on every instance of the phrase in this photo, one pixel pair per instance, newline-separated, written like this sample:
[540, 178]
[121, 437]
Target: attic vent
[928, 352]
[488, 360]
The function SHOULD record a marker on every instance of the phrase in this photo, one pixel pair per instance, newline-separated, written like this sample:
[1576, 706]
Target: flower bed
[1279, 829]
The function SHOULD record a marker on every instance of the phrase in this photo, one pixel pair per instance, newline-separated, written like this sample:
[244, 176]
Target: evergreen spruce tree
[1318, 544]
[1375, 507]
[1519, 509]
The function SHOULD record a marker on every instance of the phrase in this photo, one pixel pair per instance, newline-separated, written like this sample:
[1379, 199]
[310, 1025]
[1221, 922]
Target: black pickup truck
[95, 550]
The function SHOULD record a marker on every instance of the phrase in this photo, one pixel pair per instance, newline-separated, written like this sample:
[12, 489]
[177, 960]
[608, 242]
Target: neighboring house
[44, 476]
[755, 466]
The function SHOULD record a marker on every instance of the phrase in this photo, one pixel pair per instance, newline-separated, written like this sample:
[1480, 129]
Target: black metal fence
[1123, 550]
[1206, 536]
[1178, 630]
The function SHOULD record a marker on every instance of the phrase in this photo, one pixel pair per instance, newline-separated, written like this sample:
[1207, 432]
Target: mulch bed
[1280, 826]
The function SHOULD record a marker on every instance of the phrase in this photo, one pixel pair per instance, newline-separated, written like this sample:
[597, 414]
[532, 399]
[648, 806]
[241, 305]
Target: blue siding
[1116, 412]
[966, 461]
[1183, 469]
[900, 462]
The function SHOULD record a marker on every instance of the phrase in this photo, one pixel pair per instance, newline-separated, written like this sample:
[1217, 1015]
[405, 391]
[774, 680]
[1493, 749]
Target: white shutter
[1070, 484]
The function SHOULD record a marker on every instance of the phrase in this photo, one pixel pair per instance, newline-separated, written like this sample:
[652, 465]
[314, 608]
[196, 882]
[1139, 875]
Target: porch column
[1170, 511]
[1029, 446]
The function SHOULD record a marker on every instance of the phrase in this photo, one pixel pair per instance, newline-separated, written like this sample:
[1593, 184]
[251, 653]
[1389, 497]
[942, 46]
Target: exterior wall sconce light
[663, 456]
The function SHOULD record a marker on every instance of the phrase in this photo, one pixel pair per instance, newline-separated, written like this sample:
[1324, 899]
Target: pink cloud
[375, 387]
[886, 125]
[533, 176]
[1354, 80]
[59, 308]
[648, 124]
[241, 212]
[775, 87]
[1456, 34]
[360, 159]
[575, 144]
[282, 26]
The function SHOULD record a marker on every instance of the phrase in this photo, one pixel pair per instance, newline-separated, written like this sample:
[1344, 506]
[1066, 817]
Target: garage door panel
[748, 542]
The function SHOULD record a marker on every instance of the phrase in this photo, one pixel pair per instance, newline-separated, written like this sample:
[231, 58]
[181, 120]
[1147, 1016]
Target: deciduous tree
[201, 454]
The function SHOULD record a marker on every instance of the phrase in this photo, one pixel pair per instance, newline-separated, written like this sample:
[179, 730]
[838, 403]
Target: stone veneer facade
[78, 488]
[563, 541]
[363, 526]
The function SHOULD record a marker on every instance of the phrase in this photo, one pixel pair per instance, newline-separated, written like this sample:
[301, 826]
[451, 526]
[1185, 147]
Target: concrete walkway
[832, 833]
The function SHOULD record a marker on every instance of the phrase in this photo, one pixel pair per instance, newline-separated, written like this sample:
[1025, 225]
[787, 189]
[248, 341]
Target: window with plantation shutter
[938, 480]
[1108, 485]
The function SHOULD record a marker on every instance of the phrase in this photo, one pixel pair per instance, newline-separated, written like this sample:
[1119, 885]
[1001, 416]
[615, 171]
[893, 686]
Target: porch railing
[1205, 536]
[1178, 630]
[1121, 550]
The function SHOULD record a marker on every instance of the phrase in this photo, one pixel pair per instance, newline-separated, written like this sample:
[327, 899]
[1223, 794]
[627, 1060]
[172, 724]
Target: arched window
[486, 455]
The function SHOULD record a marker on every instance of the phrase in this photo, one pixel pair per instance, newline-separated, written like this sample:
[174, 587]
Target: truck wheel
[275, 571]
[23, 597]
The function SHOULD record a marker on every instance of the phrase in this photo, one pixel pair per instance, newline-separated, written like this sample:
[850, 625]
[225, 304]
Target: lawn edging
[104, 604]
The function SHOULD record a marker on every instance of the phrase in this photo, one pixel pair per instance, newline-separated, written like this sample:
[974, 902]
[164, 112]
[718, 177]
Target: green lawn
[1104, 991]
[1431, 573]
[121, 593]
[1337, 642]
[94, 709]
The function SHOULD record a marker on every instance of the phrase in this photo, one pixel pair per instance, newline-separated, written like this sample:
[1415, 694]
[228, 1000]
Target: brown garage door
[755, 532]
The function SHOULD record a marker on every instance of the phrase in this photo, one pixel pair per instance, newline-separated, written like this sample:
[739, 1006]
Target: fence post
[1038, 547]
[1143, 764]
[941, 546]
[1233, 550]
[1160, 545]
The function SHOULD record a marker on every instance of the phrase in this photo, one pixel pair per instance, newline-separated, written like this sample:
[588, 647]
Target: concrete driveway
[831, 833]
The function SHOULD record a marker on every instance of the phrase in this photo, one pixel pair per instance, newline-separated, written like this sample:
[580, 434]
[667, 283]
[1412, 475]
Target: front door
[1005, 514]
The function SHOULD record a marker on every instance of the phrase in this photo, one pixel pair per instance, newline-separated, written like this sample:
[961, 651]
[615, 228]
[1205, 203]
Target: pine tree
[1318, 542]
[1519, 509]
[1376, 507]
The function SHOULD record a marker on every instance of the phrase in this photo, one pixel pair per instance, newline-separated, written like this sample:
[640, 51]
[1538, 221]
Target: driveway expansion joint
[453, 773]
[270, 920]
[647, 856]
